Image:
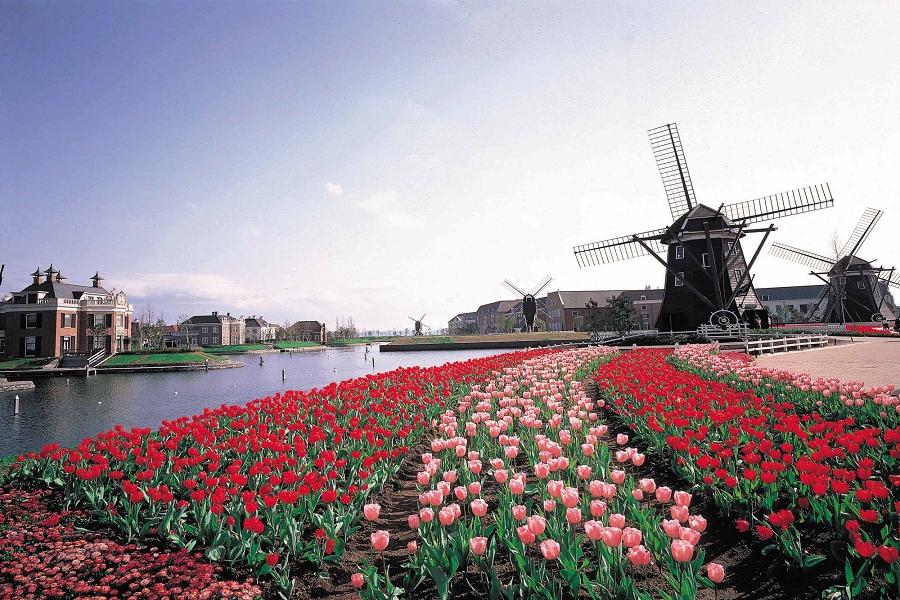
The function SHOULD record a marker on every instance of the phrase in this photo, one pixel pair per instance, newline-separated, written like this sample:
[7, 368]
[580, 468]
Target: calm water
[57, 412]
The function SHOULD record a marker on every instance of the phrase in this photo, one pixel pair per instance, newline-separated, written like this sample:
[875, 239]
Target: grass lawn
[162, 358]
[23, 363]
[287, 345]
[234, 349]
[360, 340]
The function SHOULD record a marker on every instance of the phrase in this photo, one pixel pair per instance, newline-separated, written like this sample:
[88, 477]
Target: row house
[463, 324]
[212, 330]
[489, 317]
[257, 329]
[307, 331]
[568, 310]
[51, 318]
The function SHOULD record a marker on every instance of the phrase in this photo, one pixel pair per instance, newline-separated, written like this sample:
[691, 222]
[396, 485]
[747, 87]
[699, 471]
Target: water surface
[67, 411]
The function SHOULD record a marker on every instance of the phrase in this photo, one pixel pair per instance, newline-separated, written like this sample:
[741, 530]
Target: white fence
[785, 344]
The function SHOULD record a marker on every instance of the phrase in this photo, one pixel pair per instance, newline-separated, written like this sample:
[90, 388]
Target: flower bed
[263, 485]
[794, 460]
[524, 478]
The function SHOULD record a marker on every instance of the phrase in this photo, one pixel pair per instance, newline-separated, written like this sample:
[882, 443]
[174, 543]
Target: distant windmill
[855, 290]
[707, 276]
[419, 324]
[529, 301]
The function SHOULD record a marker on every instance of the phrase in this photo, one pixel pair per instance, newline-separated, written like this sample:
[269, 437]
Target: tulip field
[578, 473]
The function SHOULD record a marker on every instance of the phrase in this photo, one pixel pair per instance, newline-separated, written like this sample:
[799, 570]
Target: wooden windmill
[707, 276]
[529, 301]
[418, 324]
[855, 290]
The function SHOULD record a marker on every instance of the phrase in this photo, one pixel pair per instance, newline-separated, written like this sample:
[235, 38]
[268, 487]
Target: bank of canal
[68, 410]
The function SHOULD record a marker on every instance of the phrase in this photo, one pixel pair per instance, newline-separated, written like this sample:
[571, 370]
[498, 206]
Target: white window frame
[204, 340]
[204, 330]
[860, 285]
[679, 252]
[32, 341]
[31, 323]
[679, 279]
[704, 258]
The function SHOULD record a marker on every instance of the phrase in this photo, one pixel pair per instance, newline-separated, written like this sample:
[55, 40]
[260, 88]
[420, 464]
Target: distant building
[50, 318]
[463, 324]
[568, 311]
[306, 331]
[490, 317]
[257, 329]
[213, 330]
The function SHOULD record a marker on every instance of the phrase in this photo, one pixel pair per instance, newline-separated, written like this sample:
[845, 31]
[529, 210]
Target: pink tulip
[460, 492]
[612, 536]
[460, 451]
[569, 497]
[474, 487]
[679, 512]
[474, 466]
[617, 476]
[478, 545]
[715, 572]
[550, 549]
[648, 485]
[519, 512]
[371, 511]
[637, 494]
[593, 530]
[682, 551]
[639, 556]
[542, 470]
[496, 463]
[357, 580]
[500, 475]
[583, 471]
[413, 521]
[555, 488]
[511, 452]
[663, 494]
[412, 547]
[595, 487]
[573, 516]
[380, 540]
[525, 535]
[516, 486]
[622, 456]
[422, 478]
[446, 516]
[598, 507]
[617, 520]
[697, 523]
[549, 505]
[637, 459]
[631, 537]
[479, 507]
[683, 499]
[537, 524]
[672, 528]
[587, 449]
[690, 536]
[621, 439]
[426, 514]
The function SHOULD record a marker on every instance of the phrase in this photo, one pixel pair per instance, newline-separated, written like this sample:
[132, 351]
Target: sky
[309, 160]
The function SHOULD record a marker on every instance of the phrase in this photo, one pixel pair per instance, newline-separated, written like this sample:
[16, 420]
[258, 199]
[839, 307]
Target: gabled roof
[203, 320]
[790, 292]
[306, 325]
[464, 316]
[699, 212]
[64, 290]
[253, 323]
[498, 306]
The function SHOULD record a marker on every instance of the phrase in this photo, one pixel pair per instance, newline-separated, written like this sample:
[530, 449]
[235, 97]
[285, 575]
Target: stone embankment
[15, 386]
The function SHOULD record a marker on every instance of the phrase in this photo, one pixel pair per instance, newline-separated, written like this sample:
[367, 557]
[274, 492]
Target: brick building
[307, 331]
[213, 330]
[50, 318]
[567, 310]
[462, 324]
[257, 329]
[490, 317]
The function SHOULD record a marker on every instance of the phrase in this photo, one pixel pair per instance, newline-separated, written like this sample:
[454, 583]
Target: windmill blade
[542, 286]
[423, 316]
[620, 248]
[517, 290]
[794, 202]
[413, 319]
[669, 154]
[816, 261]
[863, 228]
[893, 281]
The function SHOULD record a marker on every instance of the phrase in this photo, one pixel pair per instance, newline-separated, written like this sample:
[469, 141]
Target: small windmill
[418, 324]
[855, 290]
[529, 301]
[707, 277]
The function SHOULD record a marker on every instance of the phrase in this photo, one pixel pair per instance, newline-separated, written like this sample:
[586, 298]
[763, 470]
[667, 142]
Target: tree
[621, 314]
[593, 321]
[507, 325]
[835, 245]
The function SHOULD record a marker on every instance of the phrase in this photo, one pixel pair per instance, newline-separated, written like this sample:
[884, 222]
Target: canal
[67, 411]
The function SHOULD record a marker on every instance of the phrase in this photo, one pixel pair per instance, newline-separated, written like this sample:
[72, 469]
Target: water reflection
[66, 412]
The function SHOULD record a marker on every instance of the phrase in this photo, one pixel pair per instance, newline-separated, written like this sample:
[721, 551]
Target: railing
[96, 358]
[739, 330]
[785, 344]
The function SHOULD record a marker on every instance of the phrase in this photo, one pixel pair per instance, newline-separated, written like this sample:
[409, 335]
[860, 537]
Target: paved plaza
[875, 361]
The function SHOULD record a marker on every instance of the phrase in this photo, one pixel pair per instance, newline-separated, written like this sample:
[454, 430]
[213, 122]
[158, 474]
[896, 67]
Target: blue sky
[379, 159]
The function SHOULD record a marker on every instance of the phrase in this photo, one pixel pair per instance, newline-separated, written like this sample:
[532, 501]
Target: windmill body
[707, 273]
[529, 301]
[418, 324]
[855, 289]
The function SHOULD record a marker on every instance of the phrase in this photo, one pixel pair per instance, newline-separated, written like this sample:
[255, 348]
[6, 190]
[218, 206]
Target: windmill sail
[863, 228]
[620, 248]
[815, 261]
[669, 154]
[793, 202]
[893, 280]
[541, 287]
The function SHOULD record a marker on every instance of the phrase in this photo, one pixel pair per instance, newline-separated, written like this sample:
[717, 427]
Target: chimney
[215, 313]
[38, 277]
[96, 279]
[228, 315]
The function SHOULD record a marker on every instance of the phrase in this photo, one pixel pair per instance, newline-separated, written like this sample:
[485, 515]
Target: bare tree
[835, 245]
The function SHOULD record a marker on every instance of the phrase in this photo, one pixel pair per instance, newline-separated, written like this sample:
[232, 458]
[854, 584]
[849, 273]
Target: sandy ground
[875, 361]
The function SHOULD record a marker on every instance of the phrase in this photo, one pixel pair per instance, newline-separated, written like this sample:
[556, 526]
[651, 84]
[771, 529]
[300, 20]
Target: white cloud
[334, 189]
[208, 290]
[387, 206]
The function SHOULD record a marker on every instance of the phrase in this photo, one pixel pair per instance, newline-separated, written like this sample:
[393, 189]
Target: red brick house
[50, 318]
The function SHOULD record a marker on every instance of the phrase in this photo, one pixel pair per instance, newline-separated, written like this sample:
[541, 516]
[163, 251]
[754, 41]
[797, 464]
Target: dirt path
[874, 361]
